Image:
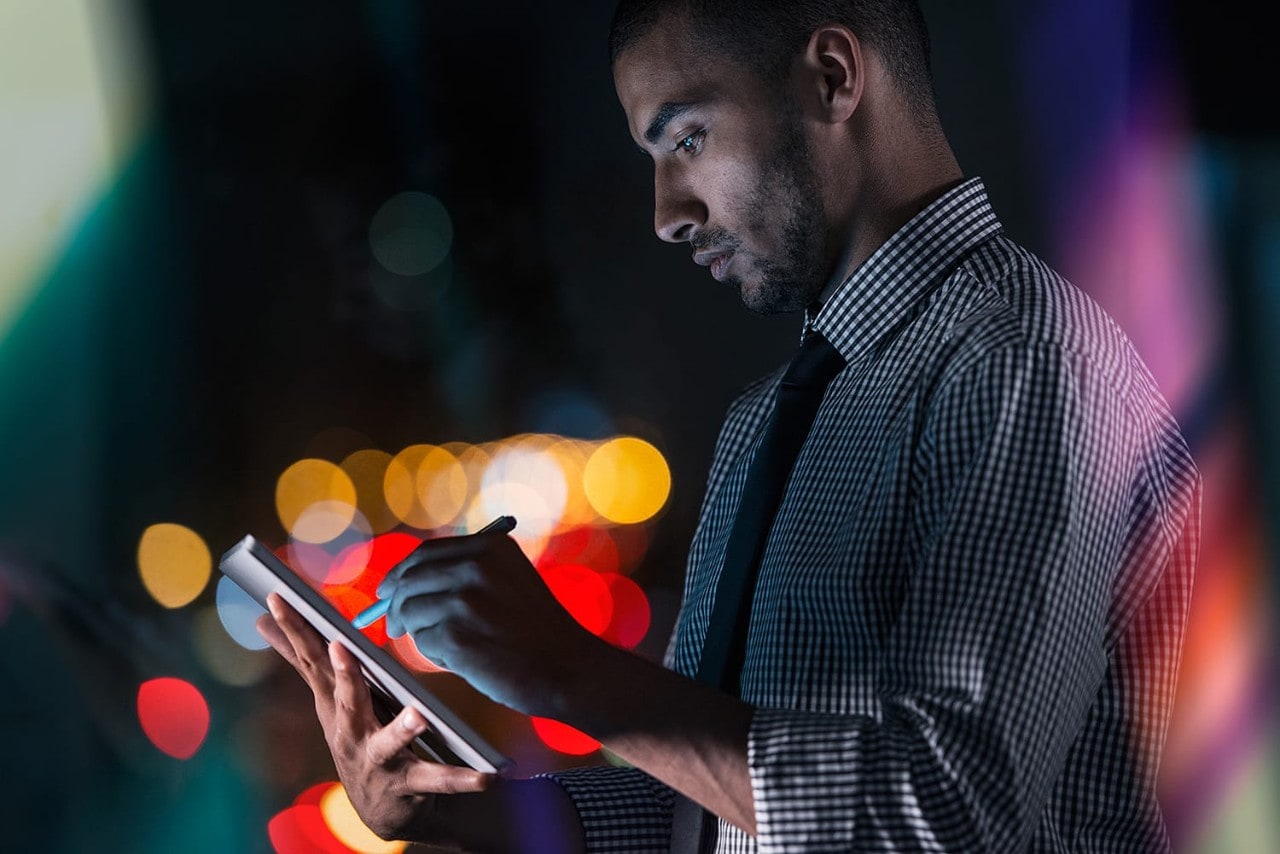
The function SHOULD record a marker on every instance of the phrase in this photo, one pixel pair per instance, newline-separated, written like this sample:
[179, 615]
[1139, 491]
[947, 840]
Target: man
[966, 616]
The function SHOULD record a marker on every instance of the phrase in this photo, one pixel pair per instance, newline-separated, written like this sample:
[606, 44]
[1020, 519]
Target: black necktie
[799, 394]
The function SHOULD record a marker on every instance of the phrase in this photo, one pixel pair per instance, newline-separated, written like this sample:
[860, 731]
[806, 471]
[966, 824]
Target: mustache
[715, 238]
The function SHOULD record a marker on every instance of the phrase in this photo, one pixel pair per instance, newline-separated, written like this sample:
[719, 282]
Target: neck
[889, 184]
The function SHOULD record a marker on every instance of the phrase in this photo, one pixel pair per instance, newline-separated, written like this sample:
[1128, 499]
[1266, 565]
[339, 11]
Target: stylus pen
[378, 610]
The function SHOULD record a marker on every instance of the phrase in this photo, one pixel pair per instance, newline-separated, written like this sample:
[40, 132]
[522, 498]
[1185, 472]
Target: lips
[717, 261]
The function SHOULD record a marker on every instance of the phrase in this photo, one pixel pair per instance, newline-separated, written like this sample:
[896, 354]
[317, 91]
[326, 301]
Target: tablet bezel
[448, 739]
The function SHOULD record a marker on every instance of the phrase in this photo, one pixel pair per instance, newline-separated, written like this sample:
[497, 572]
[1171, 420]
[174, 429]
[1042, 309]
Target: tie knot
[815, 364]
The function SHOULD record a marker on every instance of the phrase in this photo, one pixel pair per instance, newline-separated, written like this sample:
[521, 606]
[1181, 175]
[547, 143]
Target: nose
[677, 211]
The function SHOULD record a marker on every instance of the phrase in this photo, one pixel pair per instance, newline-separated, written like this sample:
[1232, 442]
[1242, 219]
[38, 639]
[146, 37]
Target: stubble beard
[787, 191]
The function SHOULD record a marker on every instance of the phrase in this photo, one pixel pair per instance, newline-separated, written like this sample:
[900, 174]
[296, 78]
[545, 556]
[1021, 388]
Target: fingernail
[335, 658]
[411, 720]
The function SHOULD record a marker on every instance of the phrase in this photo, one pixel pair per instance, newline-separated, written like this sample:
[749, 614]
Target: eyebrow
[667, 113]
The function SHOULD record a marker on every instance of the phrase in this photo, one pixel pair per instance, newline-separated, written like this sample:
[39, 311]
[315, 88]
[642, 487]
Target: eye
[691, 143]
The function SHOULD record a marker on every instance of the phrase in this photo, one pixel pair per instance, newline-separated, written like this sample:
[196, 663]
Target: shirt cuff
[621, 809]
[800, 780]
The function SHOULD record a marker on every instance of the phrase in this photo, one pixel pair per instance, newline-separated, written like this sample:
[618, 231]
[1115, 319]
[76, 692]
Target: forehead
[667, 68]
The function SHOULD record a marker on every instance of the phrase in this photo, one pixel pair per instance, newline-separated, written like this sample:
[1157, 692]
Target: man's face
[733, 176]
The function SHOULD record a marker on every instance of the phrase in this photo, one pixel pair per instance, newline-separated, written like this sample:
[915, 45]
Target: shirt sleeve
[621, 809]
[1028, 471]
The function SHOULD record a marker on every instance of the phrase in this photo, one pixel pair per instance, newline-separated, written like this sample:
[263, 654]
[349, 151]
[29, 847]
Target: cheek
[748, 209]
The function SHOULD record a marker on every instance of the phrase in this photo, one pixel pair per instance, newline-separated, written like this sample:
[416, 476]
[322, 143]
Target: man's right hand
[392, 788]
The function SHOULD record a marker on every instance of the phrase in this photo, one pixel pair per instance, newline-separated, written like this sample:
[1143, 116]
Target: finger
[424, 777]
[390, 742]
[308, 646]
[417, 610]
[426, 578]
[272, 634]
[354, 717]
[430, 645]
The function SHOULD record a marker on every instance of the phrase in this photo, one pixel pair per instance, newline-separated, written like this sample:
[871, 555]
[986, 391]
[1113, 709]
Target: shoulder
[1004, 297]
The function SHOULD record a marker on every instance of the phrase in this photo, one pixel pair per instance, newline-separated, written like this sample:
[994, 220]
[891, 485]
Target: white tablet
[447, 739]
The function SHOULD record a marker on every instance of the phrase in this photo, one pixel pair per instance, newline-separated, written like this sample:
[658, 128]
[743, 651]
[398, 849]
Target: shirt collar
[882, 292]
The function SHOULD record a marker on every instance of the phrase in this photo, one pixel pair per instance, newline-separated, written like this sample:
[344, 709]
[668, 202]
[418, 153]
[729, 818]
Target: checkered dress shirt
[970, 610]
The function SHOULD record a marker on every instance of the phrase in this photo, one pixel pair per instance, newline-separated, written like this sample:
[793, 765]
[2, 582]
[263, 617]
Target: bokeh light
[425, 486]
[583, 593]
[474, 460]
[301, 829]
[524, 480]
[174, 716]
[315, 500]
[411, 234]
[347, 826]
[312, 794]
[228, 661]
[174, 562]
[627, 480]
[350, 601]
[312, 562]
[586, 545]
[363, 567]
[368, 470]
[239, 613]
[563, 738]
[631, 615]
[571, 457]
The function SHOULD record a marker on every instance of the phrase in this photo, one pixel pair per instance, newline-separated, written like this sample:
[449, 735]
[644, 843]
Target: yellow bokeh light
[442, 487]
[626, 480]
[525, 480]
[572, 457]
[474, 460]
[368, 470]
[346, 825]
[425, 486]
[174, 562]
[316, 500]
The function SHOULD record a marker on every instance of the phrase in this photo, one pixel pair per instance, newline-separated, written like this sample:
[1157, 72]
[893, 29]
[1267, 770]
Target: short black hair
[765, 36]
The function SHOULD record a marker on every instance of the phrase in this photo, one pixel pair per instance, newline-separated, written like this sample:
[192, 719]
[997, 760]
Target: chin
[768, 297]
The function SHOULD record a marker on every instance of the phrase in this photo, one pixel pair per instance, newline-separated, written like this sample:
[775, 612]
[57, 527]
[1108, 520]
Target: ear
[834, 71]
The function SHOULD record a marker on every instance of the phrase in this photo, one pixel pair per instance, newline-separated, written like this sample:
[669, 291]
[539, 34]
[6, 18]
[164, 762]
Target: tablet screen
[448, 739]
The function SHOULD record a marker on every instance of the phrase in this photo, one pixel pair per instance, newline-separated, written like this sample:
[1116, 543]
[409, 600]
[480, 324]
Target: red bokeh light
[631, 612]
[350, 601]
[586, 545]
[313, 794]
[364, 565]
[563, 738]
[301, 829]
[174, 715]
[583, 593]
